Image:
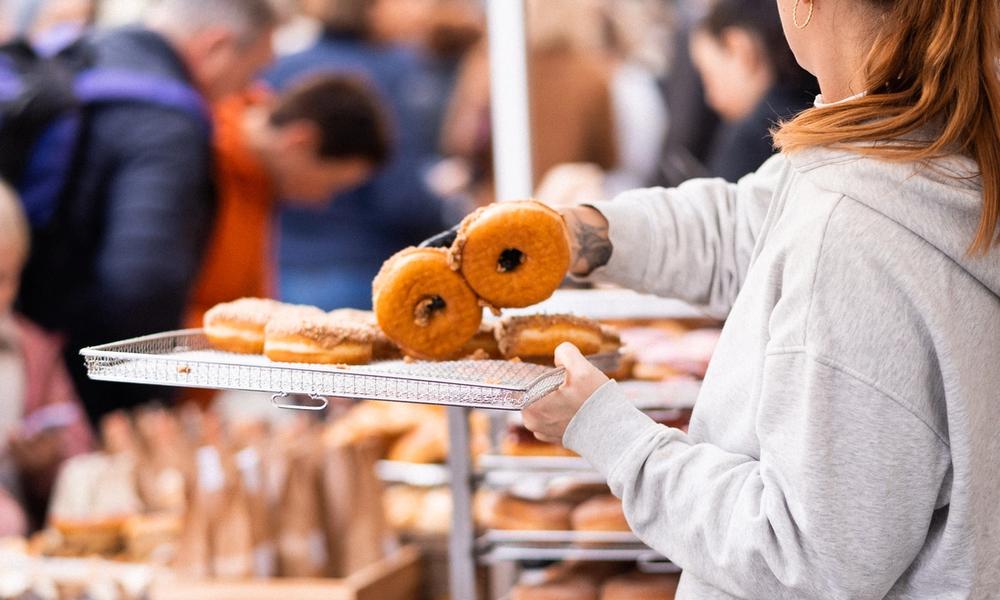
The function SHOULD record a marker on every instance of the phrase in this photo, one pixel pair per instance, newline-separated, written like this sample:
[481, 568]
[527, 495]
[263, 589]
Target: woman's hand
[548, 418]
[589, 239]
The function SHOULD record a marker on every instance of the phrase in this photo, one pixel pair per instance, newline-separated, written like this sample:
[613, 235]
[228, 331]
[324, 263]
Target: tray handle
[320, 402]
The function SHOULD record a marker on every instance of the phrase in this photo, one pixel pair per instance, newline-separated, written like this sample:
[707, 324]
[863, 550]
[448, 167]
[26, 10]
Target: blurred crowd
[161, 156]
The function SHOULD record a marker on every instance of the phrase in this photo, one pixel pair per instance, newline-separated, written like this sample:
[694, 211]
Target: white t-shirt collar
[820, 103]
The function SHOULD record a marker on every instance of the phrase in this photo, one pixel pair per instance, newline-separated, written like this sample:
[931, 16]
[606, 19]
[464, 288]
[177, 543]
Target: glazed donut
[305, 336]
[641, 586]
[601, 513]
[513, 254]
[238, 326]
[384, 348]
[424, 306]
[535, 338]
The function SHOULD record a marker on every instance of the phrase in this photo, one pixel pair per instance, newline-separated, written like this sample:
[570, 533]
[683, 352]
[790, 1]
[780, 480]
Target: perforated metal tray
[185, 359]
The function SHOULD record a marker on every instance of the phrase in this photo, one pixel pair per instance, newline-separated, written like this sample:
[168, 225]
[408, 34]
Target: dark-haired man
[320, 137]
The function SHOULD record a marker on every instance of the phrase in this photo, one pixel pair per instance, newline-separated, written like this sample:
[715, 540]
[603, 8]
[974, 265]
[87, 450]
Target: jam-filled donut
[513, 254]
[312, 336]
[535, 338]
[238, 326]
[423, 305]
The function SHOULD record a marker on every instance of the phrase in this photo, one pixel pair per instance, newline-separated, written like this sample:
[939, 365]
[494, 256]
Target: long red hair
[933, 63]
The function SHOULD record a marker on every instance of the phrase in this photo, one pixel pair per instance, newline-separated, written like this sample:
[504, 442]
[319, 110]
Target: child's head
[14, 236]
[320, 137]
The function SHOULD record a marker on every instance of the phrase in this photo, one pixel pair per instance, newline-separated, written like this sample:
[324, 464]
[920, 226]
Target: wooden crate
[398, 577]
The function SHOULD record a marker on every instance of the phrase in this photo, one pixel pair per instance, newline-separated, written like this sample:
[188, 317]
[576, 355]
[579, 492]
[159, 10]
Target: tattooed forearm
[589, 240]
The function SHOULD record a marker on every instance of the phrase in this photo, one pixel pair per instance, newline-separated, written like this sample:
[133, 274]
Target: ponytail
[933, 63]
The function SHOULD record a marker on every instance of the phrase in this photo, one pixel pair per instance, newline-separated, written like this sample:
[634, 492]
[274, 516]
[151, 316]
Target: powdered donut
[513, 254]
[424, 306]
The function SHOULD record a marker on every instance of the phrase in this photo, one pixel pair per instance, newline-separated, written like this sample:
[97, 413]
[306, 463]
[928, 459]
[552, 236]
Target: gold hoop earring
[795, 15]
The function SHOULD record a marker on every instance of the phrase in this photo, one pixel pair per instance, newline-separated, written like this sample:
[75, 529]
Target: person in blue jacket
[140, 203]
[328, 256]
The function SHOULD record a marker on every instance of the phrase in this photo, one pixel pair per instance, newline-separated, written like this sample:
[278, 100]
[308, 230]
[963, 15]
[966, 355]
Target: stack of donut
[508, 255]
[292, 333]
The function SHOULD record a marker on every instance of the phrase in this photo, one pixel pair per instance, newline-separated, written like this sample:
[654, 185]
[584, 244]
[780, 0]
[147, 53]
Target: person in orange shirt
[321, 137]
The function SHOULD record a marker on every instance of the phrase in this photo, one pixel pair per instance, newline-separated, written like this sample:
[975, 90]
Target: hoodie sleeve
[837, 505]
[693, 242]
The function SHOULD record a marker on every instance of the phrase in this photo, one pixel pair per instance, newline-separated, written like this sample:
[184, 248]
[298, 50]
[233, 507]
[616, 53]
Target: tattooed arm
[694, 242]
[589, 239]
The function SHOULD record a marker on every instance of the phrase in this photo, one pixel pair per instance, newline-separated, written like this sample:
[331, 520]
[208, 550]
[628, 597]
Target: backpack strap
[99, 86]
[48, 169]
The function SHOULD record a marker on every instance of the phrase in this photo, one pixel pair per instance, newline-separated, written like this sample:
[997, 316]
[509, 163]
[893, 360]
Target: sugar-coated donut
[535, 338]
[384, 348]
[601, 513]
[424, 306]
[307, 336]
[513, 254]
[238, 326]
[641, 586]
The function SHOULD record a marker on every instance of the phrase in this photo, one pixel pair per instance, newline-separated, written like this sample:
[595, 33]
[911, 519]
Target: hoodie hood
[938, 200]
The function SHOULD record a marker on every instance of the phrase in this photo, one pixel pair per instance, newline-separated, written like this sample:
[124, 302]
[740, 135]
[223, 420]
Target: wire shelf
[185, 359]
[500, 546]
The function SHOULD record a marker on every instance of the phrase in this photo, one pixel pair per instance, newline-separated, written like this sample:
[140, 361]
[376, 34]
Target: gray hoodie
[846, 443]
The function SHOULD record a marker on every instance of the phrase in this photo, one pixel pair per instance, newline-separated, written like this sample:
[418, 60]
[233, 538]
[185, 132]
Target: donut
[238, 326]
[641, 586]
[601, 513]
[513, 254]
[305, 336]
[424, 306]
[384, 348]
[535, 338]
[513, 514]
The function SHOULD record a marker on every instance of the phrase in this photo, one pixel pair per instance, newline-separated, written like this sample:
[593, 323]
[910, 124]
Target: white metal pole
[509, 92]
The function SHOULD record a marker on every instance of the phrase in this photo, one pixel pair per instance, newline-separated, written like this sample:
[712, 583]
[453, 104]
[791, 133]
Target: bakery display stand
[503, 552]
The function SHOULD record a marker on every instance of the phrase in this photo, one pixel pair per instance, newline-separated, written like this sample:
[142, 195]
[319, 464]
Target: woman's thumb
[569, 356]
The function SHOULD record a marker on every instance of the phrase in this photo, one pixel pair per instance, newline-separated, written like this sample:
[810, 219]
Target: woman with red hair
[845, 441]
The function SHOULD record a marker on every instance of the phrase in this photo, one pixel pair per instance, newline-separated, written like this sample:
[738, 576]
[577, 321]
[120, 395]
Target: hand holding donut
[549, 417]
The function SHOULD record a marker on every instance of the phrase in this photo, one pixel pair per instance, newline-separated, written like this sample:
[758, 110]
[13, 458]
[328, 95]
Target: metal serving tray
[185, 359]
